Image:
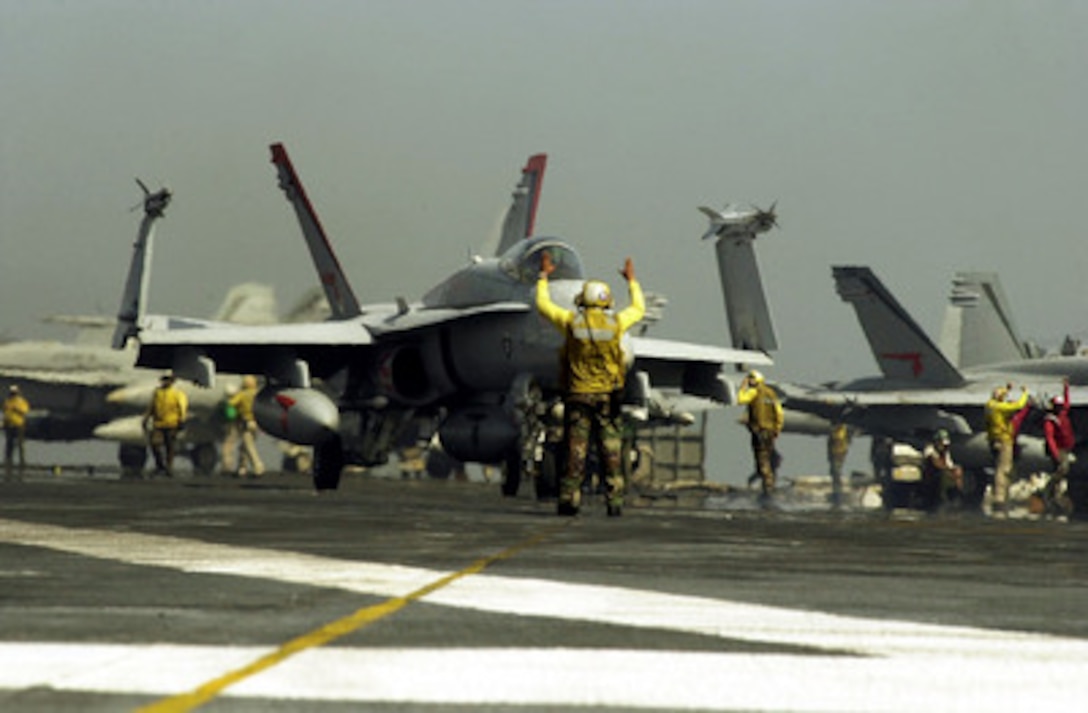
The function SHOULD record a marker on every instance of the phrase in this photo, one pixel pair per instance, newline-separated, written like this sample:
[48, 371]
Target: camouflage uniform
[594, 372]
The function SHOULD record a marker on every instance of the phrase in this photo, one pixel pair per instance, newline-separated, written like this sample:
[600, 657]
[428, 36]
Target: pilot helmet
[941, 437]
[596, 294]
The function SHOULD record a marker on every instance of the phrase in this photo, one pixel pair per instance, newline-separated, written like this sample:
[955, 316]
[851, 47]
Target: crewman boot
[615, 510]
[567, 509]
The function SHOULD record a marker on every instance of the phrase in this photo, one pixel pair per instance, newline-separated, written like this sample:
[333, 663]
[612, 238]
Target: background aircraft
[979, 329]
[471, 353]
[87, 390]
[734, 230]
[919, 389]
[978, 325]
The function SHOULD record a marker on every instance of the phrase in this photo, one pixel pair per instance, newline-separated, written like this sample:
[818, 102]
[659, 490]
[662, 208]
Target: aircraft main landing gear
[328, 462]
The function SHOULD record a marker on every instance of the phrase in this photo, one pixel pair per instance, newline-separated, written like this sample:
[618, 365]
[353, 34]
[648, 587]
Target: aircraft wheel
[205, 457]
[132, 459]
[974, 488]
[439, 465]
[1078, 495]
[328, 462]
[547, 479]
[511, 474]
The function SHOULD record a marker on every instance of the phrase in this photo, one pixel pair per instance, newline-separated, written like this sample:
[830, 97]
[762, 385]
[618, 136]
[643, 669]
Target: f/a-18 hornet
[470, 354]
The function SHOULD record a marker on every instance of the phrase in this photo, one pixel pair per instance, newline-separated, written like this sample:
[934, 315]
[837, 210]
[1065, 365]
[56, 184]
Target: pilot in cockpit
[564, 261]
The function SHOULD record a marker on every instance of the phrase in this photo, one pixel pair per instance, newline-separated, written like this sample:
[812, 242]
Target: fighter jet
[471, 352]
[86, 390]
[919, 389]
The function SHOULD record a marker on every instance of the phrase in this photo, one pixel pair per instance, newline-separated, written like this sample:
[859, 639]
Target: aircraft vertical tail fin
[978, 327]
[901, 348]
[749, 317]
[520, 218]
[342, 301]
[134, 299]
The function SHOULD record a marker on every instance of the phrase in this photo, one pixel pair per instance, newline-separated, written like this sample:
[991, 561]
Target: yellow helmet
[755, 377]
[249, 381]
[596, 294]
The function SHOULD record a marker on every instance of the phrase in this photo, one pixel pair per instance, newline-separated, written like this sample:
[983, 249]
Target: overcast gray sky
[917, 137]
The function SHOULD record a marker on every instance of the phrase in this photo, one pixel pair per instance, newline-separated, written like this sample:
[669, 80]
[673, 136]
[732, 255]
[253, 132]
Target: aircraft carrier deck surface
[420, 595]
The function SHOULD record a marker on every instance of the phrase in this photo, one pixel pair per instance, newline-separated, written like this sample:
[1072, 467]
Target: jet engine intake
[306, 417]
[402, 375]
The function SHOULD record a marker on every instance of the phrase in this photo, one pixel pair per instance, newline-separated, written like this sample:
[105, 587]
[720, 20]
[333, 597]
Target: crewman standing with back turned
[765, 420]
[594, 372]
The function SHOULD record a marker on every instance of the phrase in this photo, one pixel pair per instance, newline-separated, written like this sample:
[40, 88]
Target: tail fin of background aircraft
[750, 324]
[978, 326]
[901, 348]
[134, 299]
[521, 216]
[342, 301]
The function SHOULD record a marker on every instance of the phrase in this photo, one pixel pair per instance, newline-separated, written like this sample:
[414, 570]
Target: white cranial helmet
[596, 294]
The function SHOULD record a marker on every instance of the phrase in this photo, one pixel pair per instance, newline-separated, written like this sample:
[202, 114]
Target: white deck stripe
[559, 677]
[991, 664]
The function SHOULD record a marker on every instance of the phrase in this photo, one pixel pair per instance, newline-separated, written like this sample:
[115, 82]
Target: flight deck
[398, 594]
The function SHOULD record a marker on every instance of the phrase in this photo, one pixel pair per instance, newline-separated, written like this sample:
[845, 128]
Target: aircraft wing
[694, 369]
[197, 349]
[344, 333]
[901, 414]
[649, 349]
[413, 319]
[88, 378]
[891, 397]
[287, 351]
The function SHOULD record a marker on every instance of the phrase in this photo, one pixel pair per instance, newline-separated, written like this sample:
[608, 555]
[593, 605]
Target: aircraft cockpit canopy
[522, 261]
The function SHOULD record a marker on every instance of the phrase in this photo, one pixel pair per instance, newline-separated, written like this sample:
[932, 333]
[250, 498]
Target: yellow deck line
[333, 630]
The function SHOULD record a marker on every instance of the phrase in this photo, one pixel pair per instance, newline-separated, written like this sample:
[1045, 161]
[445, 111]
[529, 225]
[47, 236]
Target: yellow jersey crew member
[243, 429]
[764, 423]
[166, 415]
[838, 447]
[594, 371]
[16, 407]
[1002, 436]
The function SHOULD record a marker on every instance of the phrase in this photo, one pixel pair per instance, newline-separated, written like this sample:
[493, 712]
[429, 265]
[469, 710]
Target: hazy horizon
[919, 138]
